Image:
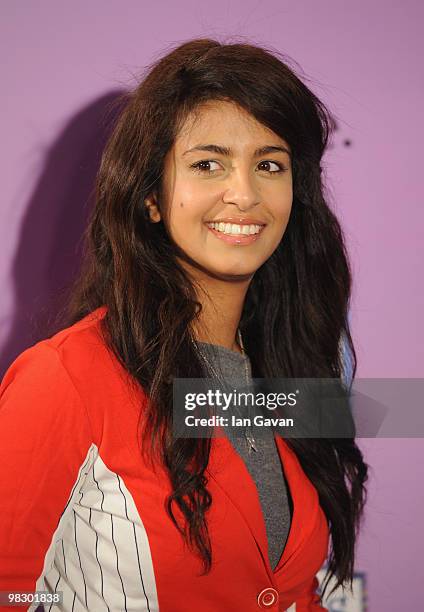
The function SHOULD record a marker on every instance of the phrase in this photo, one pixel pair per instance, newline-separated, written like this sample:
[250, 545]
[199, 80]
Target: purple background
[62, 63]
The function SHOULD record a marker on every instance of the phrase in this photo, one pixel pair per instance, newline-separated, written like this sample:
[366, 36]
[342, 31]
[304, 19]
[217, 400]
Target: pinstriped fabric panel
[102, 558]
[65, 517]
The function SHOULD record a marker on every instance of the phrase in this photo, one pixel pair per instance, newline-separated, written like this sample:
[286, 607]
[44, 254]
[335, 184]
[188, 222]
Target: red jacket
[83, 514]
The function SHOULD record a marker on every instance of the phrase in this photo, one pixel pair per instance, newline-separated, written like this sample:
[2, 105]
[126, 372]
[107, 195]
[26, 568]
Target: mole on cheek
[182, 204]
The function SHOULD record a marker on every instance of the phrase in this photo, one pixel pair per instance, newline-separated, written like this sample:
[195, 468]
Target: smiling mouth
[235, 229]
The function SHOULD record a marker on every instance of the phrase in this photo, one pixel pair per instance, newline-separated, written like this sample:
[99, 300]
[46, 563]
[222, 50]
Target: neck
[222, 305]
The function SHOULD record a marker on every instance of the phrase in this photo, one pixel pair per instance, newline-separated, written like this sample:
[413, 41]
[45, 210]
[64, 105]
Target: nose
[241, 190]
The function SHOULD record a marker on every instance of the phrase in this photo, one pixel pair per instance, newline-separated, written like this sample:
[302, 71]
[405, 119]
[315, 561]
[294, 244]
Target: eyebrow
[227, 151]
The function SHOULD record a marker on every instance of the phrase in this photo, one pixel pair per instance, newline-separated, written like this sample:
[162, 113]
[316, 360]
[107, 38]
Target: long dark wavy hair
[295, 312]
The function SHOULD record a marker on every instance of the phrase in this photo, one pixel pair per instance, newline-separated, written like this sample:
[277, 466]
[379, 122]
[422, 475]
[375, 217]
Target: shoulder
[69, 346]
[75, 360]
[39, 399]
[78, 340]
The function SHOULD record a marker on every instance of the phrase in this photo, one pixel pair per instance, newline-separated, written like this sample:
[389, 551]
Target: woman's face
[225, 168]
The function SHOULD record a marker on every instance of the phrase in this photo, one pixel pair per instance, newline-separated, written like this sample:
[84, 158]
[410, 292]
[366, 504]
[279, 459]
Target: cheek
[193, 203]
[280, 206]
[185, 216]
[184, 213]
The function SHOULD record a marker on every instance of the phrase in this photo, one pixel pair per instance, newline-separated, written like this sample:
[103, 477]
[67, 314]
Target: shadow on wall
[50, 242]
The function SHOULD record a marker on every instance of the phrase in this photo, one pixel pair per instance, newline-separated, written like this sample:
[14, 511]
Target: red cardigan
[83, 514]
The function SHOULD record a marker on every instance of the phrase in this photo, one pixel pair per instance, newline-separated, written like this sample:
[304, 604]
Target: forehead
[224, 123]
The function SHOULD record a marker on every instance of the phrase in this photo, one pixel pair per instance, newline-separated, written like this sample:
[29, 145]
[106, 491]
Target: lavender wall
[62, 63]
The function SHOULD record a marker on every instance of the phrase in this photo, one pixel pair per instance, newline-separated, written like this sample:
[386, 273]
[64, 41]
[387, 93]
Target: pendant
[251, 440]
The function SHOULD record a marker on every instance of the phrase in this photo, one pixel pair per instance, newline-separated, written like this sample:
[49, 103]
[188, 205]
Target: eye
[209, 166]
[205, 166]
[271, 166]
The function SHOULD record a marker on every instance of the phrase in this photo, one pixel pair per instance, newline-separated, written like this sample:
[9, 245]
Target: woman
[211, 253]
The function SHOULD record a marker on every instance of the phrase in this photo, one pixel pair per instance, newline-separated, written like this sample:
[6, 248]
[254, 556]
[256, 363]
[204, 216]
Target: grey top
[264, 465]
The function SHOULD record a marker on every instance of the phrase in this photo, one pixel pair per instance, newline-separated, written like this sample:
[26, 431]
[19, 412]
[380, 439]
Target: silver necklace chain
[250, 440]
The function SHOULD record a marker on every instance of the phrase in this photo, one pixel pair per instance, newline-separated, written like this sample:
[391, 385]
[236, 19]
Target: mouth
[236, 233]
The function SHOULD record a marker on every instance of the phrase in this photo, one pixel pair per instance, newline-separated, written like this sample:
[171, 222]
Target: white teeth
[234, 229]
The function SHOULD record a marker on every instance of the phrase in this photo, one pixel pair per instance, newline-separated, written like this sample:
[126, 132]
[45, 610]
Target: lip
[238, 221]
[240, 239]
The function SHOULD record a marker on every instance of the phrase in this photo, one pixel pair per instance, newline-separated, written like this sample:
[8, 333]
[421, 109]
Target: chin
[219, 270]
[232, 273]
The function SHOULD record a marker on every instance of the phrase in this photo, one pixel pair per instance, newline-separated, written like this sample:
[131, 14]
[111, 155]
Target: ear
[152, 206]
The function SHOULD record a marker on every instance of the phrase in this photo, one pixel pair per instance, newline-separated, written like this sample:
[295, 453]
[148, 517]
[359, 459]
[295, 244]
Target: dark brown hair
[294, 320]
